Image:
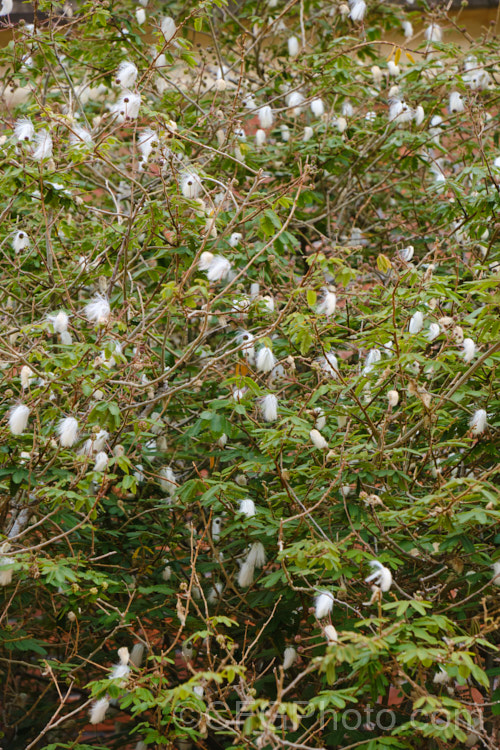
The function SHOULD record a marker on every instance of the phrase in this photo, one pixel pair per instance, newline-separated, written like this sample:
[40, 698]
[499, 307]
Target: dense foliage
[246, 353]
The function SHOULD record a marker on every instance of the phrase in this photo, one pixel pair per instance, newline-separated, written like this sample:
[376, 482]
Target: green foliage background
[102, 560]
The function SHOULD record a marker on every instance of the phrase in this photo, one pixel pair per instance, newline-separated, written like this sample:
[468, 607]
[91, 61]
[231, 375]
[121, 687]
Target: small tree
[249, 334]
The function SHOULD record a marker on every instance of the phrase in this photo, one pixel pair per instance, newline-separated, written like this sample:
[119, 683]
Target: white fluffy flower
[126, 75]
[327, 304]
[260, 137]
[393, 69]
[496, 573]
[400, 112]
[329, 364]
[121, 670]
[434, 331]
[190, 185]
[213, 597]
[293, 46]
[330, 634]
[127, 107]
[257, 555]
[98, 309]
[80, 136]
[289, 657]
[318, 440]
[308, 133]
[372, 358]
[265, 360]
[323, 604]
[205, 260]
[407, 29]
[478, 421]
[247, 507]
[18, 419]
[168, 28]
[406, 253]
[269, 408]
[168, 480]
[285, 132]
[456, 103]
[320, 421]
[245, 576]
[26, 376]
[20, 241]
[317, 107]
[6, 8]
[419, 114]
[216, 528]
[377, 75]
[434, 33]
[393, 398]
[146, 142]
[469, 350]
[295, 101]
[441, 677]
[43, 146]
[358, 9]
[101, 461]
[98, 710]
[59, 321]
[219, 268]
[67, 429]
[381, 576]
[235, 239]
[416, 322]
[266, 117]
[140, 16]
[24, 129]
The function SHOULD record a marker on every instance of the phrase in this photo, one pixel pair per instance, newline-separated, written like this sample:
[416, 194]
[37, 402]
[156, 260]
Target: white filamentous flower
[137, 654]
[146, 142]
[407, 29]
[24, 129]
[320, 421]
[219, 268]
[269, 408]
[205, 260]
[18, 419]
[496, 574]
[126, 75]
[323, 604]
[265, 360]
[381, 577]
[266, 117]
[416, 322]
[393, 398]
[293, 46]
[358, 9]
[168, 480]
[190, 185]
[318, 440]
[456, 103]
[330, 634]
[127, 107]
[98, 710]
[67, 429]
[168, 28]
[419, 114]
[372, 358]
[406, 253]
[347, 109]
[26, 376]
[478, 421]
[43, 146]
[289, 657]
[434, 331]
[140, 16]
[80, 136]
[260, 137]
[235, 239]
[20, 241]
[101, 461]
[257, 555]
[295, 100]
[393, 70]
[98, 309]
[6, 8]
[121, 670]
[247, 507]
[469, 350]
[327, 304]
[377, 75]
[434, 33]
[308, 133]
[59, 321]
[245, 576]
[329, 364]
[441, 677]
[317, 107]
[400, 112]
